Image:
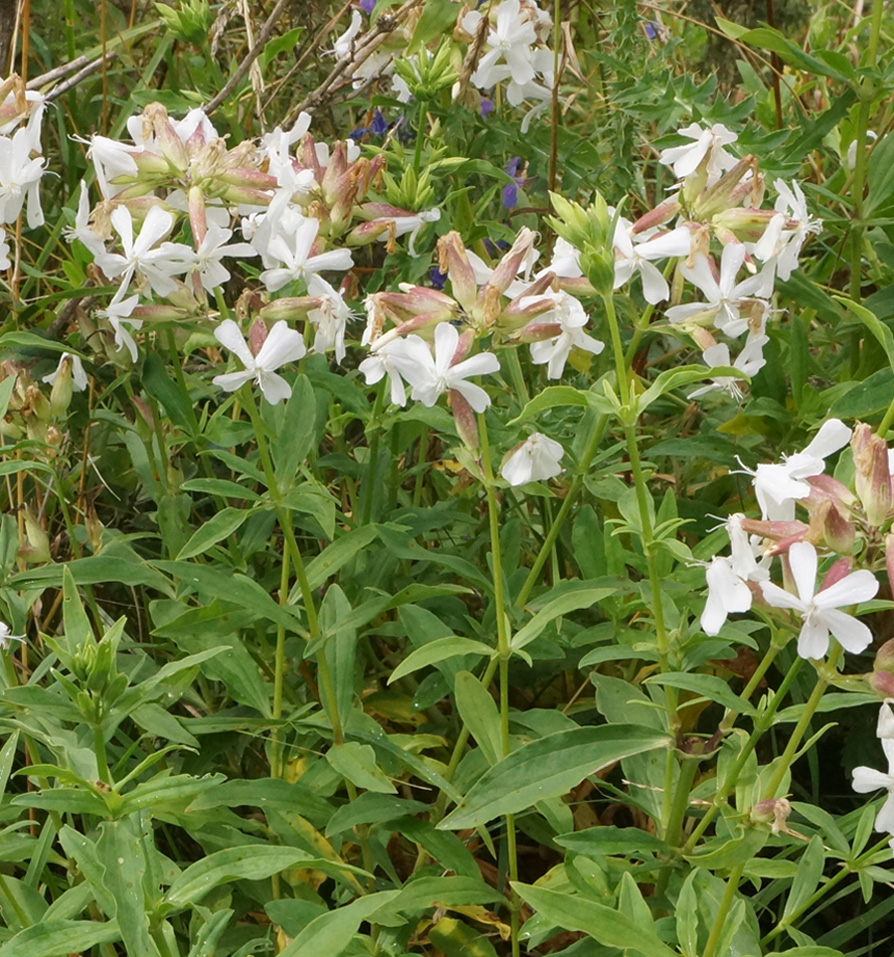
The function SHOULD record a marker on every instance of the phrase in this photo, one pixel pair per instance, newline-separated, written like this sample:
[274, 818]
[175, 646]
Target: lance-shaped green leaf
[672, 379]
[603, 924]
[439, 650]
[53, 937]
[252, 862]
[549, 767]
[216, 529]
[873, 324]
[331, 933]
[570, 599]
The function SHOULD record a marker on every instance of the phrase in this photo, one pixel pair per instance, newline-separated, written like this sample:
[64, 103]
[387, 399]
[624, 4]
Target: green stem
[564, 510]
[763, 721]
[867, 93]
[504, 653]
[279, 669]
[720, 917]
[824, 889]
[823, 680]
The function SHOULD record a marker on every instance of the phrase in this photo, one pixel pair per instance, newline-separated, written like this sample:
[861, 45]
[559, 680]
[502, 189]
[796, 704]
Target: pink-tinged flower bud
[251, 178]
[537, 332]
[132, 192]
[882, 683]
[246, 195]
[873, 478]
[290, 307]
[198, 221]
[155, 116]
[257, 335]
[773, 811]
[464, 417]
[453, 260]
[463, 346]
[721, 195]
[364, 233]
[884, 657]
[701, 337]
[521, 254]
[658, 216]
[840, 569]
[148, 165]
[829, 525]
[416, 302]
[889, 561]
[776, 531]
[746, 224]
[826, 486]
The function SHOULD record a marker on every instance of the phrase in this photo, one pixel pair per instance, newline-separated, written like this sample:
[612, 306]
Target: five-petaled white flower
[820, 610]
[569, 315]
[707, 148]
[633, 257]
[157, 263]
[435, 376]
[537, 458]
[778, 485]
[395, 358]
[723, 295]
[281, 345]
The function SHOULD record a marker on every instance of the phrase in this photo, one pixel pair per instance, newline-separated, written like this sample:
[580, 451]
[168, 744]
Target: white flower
[118, 314]
[569, 314]
[6, 637]
[777, 486]
[157, 264]
[281, 345]
[724, 295]
[708, 146]
[510, 40]
[408, 224]
[19, 178]
[781, 242]
[206, 260]
[633, 257]
[438, 375]
[819, 610]
[395, 359]
[537, 458]
[78, 375]
[868, 779]
[81, 229]
[294, 253]
[330, 319]
[750, 361]
[727, 593]
[727, 577]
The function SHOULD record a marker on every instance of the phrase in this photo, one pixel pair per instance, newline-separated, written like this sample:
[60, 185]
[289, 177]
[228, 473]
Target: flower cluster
[21, 162]
[505, 44]
[849, 526]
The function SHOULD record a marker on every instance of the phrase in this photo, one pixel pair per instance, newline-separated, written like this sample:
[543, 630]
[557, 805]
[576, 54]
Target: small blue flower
[367, 5]
[437, 278]
[510, 192]
[486, 107]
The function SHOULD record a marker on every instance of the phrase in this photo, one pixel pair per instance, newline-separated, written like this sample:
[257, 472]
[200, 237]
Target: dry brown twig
[385, 25]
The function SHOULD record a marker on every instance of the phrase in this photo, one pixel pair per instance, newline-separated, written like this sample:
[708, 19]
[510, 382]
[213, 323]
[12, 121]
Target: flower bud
[720, 195]
[464, 417]
[873, 478]
[773, 811]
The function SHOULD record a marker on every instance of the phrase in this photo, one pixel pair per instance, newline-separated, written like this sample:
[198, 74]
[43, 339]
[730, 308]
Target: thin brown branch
[253, 54]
